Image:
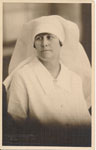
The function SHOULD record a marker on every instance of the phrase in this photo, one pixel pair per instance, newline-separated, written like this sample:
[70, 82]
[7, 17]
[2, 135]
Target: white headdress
[72, 54]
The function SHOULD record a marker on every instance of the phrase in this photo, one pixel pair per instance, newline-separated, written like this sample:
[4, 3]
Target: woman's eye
[49, 37]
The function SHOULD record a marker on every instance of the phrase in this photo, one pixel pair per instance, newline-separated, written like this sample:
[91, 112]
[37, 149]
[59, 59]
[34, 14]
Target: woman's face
[47, 45]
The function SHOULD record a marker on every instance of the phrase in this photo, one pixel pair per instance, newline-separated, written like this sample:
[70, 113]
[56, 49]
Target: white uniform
[34, 93]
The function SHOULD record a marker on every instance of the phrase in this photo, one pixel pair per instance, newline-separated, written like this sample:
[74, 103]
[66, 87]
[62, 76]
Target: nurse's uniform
[34, 93]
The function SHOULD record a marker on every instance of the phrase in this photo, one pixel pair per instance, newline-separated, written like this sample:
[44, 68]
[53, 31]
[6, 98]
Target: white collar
[46, 79]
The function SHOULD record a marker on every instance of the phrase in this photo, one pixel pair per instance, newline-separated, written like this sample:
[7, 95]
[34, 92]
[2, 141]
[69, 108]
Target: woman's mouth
[45, 50]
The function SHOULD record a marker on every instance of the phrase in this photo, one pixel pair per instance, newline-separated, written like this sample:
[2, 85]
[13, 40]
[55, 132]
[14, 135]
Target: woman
[49, 86]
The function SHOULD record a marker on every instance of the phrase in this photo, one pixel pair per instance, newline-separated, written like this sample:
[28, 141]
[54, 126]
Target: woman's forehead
[45, 33]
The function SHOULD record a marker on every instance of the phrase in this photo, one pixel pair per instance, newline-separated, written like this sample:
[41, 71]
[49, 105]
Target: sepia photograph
[47, 74]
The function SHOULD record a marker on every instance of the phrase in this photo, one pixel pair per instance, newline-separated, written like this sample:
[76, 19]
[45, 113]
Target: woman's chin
[45, 57]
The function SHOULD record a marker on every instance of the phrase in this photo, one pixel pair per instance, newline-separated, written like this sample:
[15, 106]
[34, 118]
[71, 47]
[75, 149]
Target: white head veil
[72, 54]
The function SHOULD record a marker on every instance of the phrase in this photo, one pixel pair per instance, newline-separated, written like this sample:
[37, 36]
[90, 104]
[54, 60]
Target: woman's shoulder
[73, 78]
[70, 73]
[26, 67]
[26, 70]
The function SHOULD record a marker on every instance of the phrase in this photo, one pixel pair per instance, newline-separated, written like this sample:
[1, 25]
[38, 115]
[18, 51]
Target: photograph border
[93, 72]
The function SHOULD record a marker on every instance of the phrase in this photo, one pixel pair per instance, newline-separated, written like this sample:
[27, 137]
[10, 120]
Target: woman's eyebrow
[41, 34]
[38, 36]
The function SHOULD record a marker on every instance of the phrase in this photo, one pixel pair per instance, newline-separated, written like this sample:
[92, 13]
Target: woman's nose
[44, 41]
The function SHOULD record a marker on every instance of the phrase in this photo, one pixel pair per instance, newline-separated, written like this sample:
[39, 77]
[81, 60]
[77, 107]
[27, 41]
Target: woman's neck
[52, 66]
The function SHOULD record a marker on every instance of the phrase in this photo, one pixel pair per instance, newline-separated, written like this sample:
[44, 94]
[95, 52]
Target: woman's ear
[60, 43]
[34, 45]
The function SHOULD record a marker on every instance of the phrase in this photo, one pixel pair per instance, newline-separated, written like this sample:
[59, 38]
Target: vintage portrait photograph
[47, 74]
